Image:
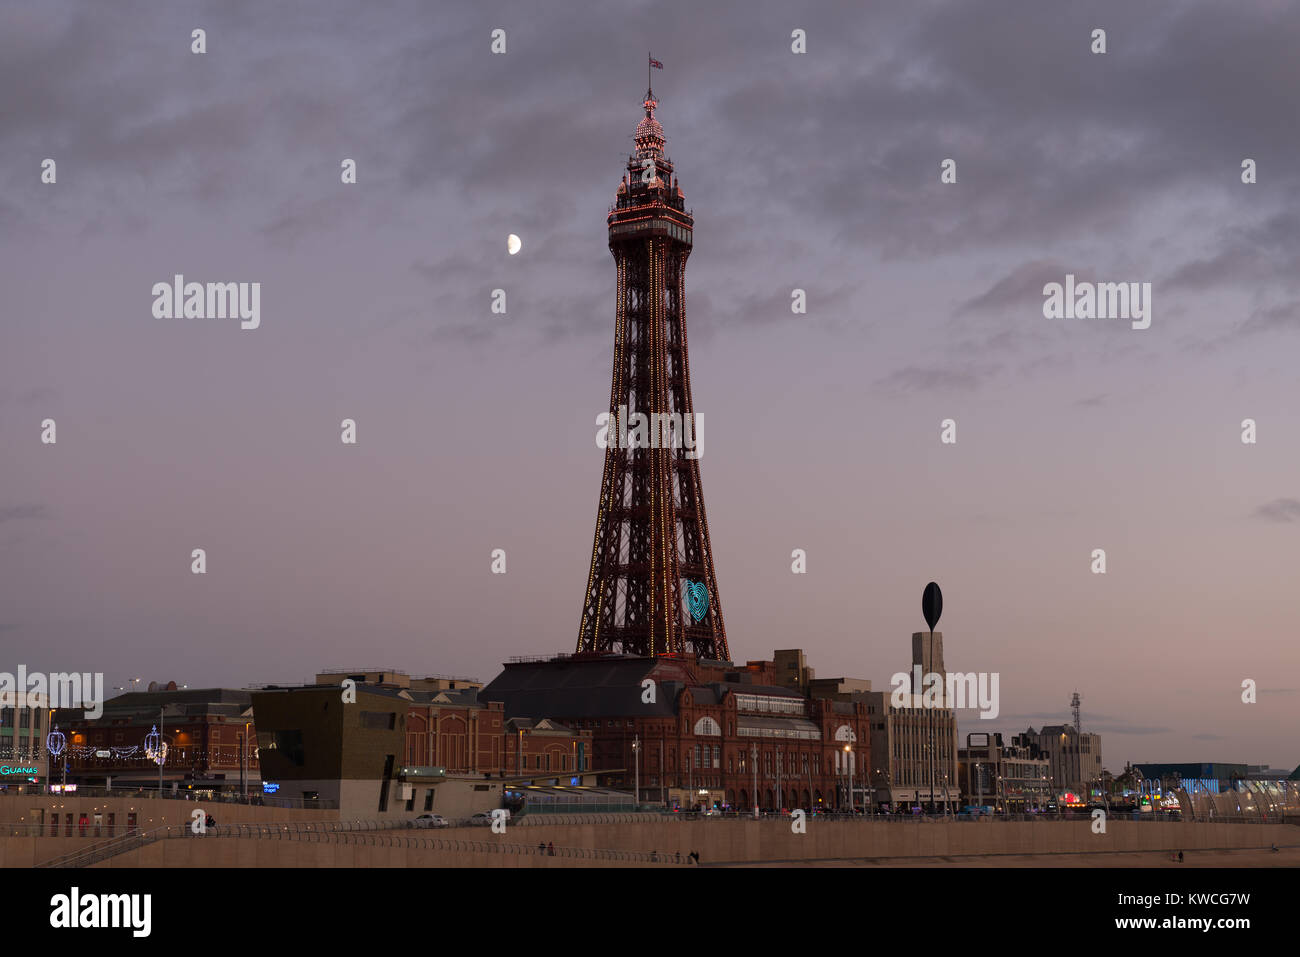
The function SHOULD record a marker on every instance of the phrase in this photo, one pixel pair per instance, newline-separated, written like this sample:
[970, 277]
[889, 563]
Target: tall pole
[49, 763]
[930, 723]
[162, 743]
[780, 800]
[636, 761]
[753, 760]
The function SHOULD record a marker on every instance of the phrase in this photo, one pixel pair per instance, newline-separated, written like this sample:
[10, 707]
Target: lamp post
[243, 767]
[780, 799]
[636, 763]
[753, 760]
[848, 775]
[49, 768]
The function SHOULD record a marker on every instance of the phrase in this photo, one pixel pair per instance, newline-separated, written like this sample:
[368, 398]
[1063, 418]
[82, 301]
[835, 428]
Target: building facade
[378, 749]
[682, 727]
[205, 737]
[24, 763]
[916, 744]
[1009, 777]
[1074, 760]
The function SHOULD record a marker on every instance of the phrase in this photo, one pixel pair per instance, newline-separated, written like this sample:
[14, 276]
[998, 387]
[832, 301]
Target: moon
[513, 244]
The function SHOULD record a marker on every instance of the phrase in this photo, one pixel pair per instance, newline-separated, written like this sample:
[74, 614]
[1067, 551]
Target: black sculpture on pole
[931, 608]
[932, 604]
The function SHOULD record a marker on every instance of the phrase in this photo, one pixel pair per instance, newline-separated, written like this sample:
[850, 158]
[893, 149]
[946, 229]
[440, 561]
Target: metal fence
[361, 833]
[203, 794]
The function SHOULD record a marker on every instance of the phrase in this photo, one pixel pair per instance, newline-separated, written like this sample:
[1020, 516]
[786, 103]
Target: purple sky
[818, 171]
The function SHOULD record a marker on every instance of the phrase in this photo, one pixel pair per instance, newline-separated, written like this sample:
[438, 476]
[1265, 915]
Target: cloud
[958, 377]
[15, 512]
[1279, 510]
[1021, 289]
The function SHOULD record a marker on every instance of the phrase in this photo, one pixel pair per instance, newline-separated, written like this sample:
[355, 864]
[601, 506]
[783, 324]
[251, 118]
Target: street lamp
[636, 762]
[753, 760]
[243, 766]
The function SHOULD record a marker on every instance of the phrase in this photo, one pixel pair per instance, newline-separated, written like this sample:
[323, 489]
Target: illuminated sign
[12, 771]
[63, 788]
[269, 787]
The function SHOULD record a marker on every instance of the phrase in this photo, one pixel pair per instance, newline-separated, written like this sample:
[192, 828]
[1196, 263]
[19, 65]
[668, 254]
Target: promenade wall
[716, 842]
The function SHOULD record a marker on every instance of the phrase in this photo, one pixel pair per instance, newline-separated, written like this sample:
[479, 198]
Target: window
[289, 743]
[428, 799]
[379, 720]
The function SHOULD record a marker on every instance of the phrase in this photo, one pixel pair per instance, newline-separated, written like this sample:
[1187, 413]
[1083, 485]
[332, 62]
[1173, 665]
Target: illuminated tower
[651, 589]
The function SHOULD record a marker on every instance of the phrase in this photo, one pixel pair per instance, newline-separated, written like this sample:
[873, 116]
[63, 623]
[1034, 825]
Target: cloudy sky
[476, 431]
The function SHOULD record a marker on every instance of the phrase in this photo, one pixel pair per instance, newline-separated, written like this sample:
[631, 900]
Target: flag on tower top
[656, 64]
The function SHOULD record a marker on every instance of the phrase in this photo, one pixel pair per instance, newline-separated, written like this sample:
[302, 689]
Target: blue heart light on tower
[697, 599]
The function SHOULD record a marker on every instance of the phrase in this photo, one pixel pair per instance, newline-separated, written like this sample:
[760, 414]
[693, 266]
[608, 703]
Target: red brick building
[209, 734]
[701, 726]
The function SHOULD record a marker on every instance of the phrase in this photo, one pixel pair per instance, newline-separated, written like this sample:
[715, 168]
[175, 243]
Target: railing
[185, 794]
[363, 833]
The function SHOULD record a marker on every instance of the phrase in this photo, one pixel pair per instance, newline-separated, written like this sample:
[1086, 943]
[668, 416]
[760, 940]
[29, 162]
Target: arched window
[707, 725]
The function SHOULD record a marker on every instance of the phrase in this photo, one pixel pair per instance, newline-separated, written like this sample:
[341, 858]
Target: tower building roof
[649, 134]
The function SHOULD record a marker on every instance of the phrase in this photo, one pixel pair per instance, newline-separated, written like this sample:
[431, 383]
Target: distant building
[915, 745]
[1074, 759]
[393, 678]
[1224, 791]
[208, 732]
[394, 751]
[1006, 776]
[737, 736]
[24, 763]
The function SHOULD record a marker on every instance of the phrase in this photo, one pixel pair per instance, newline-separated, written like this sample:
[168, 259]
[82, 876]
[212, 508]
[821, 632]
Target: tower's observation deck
[649, 201]
[652, 588]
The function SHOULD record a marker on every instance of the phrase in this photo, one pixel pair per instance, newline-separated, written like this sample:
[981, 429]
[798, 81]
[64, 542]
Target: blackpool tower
[651, 589]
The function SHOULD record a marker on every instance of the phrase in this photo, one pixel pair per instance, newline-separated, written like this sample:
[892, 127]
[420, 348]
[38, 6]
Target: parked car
[484, 818]
[430, 820]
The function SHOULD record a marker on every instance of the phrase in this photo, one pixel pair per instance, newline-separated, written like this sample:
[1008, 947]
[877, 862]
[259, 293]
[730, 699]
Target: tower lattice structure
[651, 553]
